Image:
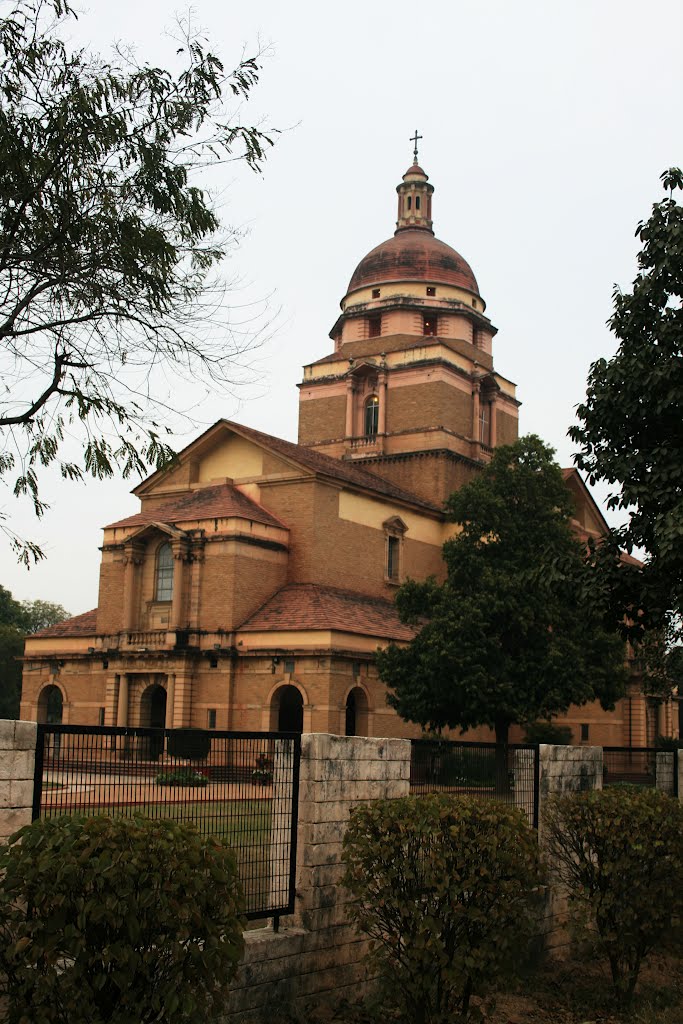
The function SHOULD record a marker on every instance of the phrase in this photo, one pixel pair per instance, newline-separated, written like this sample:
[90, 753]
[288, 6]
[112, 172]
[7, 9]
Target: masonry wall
[17, 760]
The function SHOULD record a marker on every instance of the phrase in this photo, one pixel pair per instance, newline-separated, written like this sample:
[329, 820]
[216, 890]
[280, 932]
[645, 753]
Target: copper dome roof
[413, 254]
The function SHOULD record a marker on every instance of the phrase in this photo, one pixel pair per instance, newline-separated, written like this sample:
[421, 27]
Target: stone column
[111, 700]
[662, 728]
[122, 704]
[382, 411]
[178, 581]
[349, 408]
[170, 700]
[475, 413]
[132, 560]
[493, 436]
[17, 767]
[182, 700]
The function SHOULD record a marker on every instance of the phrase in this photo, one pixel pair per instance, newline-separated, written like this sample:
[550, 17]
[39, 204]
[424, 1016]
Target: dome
[413, 254]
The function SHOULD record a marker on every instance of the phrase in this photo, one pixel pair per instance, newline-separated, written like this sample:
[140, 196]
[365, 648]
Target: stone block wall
[317, 955]
[17, 758]
[664, 772]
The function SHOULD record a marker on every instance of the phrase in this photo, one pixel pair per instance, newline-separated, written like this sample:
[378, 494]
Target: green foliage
[630, 424]
[38, 615]
[443, 886]
[619, 851]
[11, 649]
[110, 248]
[117, 920]
[182, 777]
[548, 732]
[515, 632]
[189, 743]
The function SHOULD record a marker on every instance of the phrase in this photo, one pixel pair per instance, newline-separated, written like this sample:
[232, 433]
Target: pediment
[143, 533]
[395, 525]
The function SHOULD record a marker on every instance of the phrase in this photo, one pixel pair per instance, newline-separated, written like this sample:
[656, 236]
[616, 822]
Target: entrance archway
[50, 705]
[287, 709]
[356, 713]
[153, 716]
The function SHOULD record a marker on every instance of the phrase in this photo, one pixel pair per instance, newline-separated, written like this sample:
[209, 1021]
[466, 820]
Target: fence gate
[641, 766]
[242, 787]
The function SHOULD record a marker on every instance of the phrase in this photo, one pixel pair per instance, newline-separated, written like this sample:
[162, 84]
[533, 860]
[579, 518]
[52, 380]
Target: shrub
[548, 732]
[619, 852]
[443, 886]
[190, 744]
[181, 777]
[117, 920]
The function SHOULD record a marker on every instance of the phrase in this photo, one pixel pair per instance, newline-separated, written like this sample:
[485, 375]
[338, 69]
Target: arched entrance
[50, 705]
[287, 709]
[153, 716]
[356, 713]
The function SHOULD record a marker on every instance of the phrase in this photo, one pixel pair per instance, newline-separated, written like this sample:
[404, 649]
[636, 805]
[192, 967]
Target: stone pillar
[178, 585]
[170, 700]
[122, 704]
[679, 759]
[475, 413]
[338, 773]
[111, 700]
[182, 700]
[493, 435]
[349, 407]
[664, 771]
[662, 725]
[132, 560]
[17, 767]
[382, 412]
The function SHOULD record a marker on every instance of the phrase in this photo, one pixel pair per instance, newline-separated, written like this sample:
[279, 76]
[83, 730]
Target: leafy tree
[108, 247]
[630, 428]
[41, 614]
[17, 619]
[514, 633]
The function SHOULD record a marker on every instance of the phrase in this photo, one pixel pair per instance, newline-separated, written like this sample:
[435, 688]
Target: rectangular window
[211, 718]
[431, 291]
[100, 717]
[374, 326]
[393, 545]
[289, 666]
[356, 668]
[375, 293]
[584, 733]
[429, 324]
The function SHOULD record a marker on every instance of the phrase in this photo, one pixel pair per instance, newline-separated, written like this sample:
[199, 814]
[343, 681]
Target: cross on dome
[414, 138]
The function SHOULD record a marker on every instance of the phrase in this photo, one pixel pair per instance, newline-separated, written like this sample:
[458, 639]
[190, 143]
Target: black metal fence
[641, 766]
[487, 770]
[240, 787]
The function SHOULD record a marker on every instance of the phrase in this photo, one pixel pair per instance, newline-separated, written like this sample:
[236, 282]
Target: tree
[36, 615]
[109, 248]
[630, 428]
[17, 619]
[509, 637]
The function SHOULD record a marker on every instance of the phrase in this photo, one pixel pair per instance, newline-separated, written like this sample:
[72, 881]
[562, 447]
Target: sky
[545, 129]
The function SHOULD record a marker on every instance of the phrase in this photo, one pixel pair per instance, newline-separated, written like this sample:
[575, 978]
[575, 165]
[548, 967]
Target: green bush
[181, 777]
[548, 732]
[669, 743]
[190, 744]
[117, 920]
[619, 852]
[444, 888]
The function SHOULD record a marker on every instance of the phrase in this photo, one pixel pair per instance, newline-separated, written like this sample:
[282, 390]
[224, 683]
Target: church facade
[254, 585]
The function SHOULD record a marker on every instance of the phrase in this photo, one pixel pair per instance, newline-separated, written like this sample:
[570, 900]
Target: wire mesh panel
[487, 770]
[641, 766]
[241, 788]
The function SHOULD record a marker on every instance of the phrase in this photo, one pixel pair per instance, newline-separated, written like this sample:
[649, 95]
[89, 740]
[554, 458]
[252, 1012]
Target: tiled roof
[346, 472]
[79, 625]
[219, 501]
[309, 606]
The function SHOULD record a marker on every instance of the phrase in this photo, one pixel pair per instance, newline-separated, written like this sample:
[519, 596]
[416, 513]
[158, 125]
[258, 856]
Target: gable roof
[220, 501]
[573, 475]
[309, 606]
[79, 625]
[307, 458]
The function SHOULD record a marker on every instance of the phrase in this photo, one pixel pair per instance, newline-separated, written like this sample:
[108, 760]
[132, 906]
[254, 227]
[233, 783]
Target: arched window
[410, 201]
[417, 202]
[164, 578]
[371, 416]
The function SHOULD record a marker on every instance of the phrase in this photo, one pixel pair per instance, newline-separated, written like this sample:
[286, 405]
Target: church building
[255, 583]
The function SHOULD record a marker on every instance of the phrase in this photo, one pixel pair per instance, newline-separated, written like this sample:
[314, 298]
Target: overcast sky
[546, 126]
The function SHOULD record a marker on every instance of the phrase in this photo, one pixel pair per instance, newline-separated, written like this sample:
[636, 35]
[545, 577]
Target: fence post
[678, 774]
[17, 766]
[665, 771]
